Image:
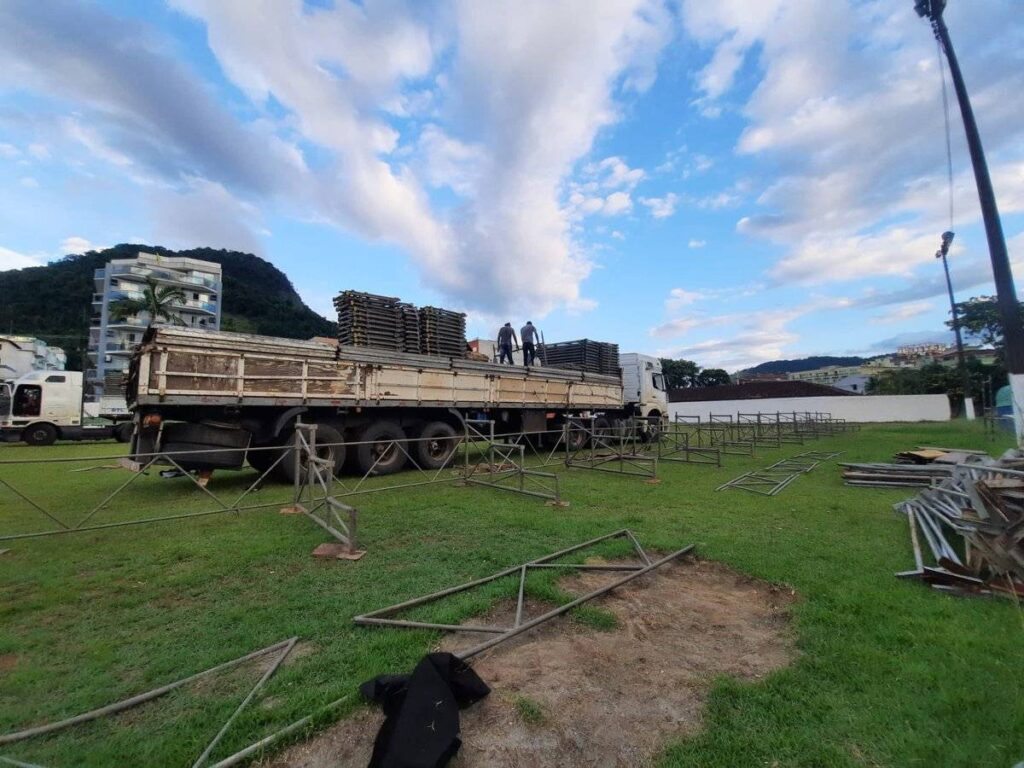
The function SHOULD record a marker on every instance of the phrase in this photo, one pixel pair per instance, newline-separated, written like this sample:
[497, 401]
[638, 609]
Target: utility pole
[947, 240]
[1006, 294]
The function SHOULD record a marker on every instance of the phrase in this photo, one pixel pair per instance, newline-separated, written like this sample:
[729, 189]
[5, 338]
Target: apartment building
[111, 341]
[23, 354]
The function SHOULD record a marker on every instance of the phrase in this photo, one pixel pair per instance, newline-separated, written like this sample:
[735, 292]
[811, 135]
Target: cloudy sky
[722, 180]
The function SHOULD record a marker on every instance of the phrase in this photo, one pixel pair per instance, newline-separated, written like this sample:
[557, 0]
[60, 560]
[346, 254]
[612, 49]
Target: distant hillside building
[111, 342]
[23, 354]
[827, 376]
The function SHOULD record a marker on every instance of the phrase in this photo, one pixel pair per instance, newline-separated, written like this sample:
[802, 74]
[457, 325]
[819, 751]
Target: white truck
[42, 407]
[193, 390]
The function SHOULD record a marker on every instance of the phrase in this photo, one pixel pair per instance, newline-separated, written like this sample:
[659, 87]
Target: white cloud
[76, 244]
[618, 235]
[39, 151]
[741, 339]
[528, 87]
[847, 113]
[613, 173]
[680, 297]
[617, 203]
[696, 243]
[903, 312]
[9, 151]
[205, 214]
[28, 182]
[661, 207]
[14, 260]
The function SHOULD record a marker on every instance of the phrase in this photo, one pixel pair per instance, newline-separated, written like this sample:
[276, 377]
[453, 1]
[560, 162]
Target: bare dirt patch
[569, 695]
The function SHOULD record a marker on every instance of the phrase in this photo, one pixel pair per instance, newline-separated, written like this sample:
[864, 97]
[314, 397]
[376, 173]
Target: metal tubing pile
[973, 526]
[442, 332]
[880, 475]
[584, 355]
[368, 320]
[774, 478]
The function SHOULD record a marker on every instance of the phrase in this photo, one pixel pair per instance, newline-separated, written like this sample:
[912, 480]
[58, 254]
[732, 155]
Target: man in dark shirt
[506, 335]
[528, 333]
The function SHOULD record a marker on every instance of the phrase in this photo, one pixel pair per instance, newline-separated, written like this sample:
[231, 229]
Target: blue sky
[721, 180]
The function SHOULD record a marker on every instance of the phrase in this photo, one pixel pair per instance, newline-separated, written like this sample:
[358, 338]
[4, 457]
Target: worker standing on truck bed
[528, 333]
[506, 335]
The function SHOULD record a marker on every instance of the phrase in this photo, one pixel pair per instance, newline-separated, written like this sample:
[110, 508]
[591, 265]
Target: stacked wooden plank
[583, 355]
[882, 475]
[368, 320]
[973, 525]
[442, 332]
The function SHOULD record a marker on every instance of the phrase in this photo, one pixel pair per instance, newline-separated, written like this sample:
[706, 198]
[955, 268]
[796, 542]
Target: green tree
[979, 319]
[680, 374]
[158, 301]
[713, 377]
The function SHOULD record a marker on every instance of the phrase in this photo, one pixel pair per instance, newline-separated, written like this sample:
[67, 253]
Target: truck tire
[435, 446]
[40, 434]
[179, 438]
[377, 453]
[329, 445]
[603, 431]
[123, 432]
[577, 437]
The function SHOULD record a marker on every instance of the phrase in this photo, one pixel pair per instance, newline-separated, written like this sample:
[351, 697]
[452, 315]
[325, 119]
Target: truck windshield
[659, 381]
[5, 400]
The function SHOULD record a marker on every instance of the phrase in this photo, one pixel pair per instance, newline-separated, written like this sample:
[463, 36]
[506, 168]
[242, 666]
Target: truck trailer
[229, 393]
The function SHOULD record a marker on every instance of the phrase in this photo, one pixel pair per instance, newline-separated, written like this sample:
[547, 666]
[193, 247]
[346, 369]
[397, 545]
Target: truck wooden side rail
[197, 390]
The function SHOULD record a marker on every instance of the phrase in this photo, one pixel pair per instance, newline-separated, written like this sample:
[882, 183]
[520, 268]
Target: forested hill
[54, 302]
[805, 364]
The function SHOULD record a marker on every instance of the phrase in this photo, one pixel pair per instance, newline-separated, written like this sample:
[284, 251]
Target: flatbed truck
[237, 397]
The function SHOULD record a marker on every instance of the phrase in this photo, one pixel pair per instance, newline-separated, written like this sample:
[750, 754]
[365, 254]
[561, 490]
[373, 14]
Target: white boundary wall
[855, 408]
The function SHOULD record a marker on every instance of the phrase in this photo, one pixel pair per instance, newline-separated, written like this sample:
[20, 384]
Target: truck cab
[44, 406]
[643, 384]
[36, 407]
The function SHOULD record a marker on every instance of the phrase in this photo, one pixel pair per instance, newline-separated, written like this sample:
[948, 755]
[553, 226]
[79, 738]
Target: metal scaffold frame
[605, 450]
[383, 616]
[775, 477]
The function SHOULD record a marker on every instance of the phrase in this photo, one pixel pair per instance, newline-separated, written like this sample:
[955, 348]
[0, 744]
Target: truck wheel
[40, 434]
[603, 431]
[378, 452]
[179, 438]
[576, 439]
[437, 442]
[329, 445]
[123, 432]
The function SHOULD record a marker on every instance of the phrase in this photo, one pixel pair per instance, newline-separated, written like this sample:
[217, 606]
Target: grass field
[889, 673]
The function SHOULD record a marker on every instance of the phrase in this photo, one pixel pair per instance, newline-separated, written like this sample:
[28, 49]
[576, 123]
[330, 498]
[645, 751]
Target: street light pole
[1006, 294]
[947, 240]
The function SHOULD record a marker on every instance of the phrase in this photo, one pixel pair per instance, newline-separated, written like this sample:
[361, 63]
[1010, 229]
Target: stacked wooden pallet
[368, 320]
[442, 332]
[583, 355]
[385, 322]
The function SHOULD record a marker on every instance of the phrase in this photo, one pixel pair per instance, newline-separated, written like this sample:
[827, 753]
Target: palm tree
[157, 300]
